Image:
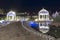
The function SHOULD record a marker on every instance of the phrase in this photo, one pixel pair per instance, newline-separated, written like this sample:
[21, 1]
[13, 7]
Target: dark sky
[30, 5]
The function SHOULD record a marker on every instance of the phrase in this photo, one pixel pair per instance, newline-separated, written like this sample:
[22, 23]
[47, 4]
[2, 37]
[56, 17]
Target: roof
[55, 14]
[44, 11]
[11, 13]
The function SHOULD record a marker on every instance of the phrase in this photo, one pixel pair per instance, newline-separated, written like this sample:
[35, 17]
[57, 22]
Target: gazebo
[11, 16]
[44, 20]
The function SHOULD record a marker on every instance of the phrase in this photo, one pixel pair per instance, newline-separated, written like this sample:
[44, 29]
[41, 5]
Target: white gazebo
[43, 17]
[11, 16]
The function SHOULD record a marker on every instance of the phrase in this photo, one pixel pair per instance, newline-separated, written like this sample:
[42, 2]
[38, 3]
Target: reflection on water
[35, 25]
[53, 30]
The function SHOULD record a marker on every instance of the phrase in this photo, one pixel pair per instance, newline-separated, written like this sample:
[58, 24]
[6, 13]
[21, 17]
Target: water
[53, 31]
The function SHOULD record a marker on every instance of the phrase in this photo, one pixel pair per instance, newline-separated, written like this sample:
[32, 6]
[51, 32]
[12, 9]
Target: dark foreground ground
[15, 31]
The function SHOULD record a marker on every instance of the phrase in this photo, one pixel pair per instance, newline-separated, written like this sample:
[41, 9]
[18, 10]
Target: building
[11, 16]
[55, 14]
[44, 20]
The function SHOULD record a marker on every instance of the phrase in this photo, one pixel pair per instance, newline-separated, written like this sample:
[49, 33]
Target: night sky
[30, 5]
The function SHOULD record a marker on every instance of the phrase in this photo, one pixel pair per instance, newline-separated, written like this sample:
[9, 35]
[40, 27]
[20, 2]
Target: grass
[55, 32]
[57, 19]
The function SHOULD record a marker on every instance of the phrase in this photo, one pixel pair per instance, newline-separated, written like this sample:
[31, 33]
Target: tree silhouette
[1, 11]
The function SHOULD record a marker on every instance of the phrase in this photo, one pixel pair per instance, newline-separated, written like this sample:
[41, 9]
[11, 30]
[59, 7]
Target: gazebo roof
[43, 11]
[11, 13]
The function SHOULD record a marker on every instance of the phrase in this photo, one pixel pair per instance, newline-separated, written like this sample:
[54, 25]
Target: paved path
[15, 31]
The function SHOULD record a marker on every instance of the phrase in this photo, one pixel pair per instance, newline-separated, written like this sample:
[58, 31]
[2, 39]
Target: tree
[1, 11]
[57, 19]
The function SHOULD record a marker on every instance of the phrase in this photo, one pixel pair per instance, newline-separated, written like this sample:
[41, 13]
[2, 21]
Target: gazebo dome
[43, 11]
[11, 13]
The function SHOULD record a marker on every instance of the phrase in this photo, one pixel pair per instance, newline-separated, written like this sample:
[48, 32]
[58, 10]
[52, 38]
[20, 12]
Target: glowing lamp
[33, 24]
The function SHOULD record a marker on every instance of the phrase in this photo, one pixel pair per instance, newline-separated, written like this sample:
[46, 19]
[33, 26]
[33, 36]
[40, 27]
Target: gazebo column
[7, 17]
[42, 17]
[14, 18]
[38, 16]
